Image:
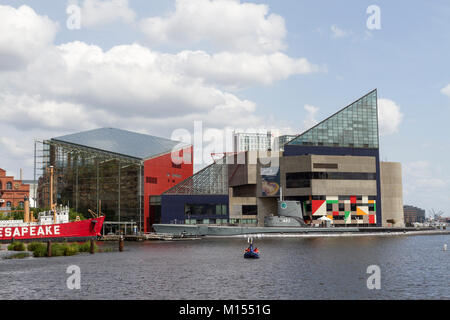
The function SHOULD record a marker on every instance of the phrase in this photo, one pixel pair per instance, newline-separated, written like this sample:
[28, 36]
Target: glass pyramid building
[355, 126]
[211, 180]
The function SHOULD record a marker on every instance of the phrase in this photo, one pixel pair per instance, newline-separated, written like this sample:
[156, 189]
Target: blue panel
[297, 150]
[172, 206]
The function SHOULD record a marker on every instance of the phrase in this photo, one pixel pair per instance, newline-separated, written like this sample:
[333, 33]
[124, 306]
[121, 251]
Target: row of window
[8, 185]
[303, 179]
[205, 209]
[9, 204]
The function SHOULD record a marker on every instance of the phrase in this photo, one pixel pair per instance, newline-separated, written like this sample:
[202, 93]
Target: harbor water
[412, 267]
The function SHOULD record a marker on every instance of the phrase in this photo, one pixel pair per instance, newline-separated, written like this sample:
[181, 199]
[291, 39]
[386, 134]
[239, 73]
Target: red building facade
[12, 192]
[161, 174]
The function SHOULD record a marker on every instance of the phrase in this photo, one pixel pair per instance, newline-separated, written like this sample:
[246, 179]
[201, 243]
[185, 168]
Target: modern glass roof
[121, 142]
[212, 179]
[354, 126]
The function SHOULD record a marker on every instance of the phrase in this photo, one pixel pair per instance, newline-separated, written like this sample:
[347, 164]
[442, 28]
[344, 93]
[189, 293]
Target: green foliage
[71, 249]
[40, 249]
[61, 249]
[58, 249]
[12, 215]
[19, 255]
[86, 247]
[73, 215]
[33, 245]
[16, 246]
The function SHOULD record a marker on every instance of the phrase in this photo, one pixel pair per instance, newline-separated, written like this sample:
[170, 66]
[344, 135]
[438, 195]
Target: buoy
[445, 247]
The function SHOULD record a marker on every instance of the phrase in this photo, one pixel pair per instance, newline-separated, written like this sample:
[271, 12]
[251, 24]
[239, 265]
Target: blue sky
[407, 60]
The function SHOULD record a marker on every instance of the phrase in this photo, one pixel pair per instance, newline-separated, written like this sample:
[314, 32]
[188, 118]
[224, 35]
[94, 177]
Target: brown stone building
[12, 192]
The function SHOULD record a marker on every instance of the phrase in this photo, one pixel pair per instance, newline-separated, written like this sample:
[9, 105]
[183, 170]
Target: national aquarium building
[333, 169]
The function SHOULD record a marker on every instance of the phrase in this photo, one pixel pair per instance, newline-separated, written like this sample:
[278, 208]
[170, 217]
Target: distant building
[282, 140]
[243, 141]
[413, 214]
[33, 189]
[12, 191]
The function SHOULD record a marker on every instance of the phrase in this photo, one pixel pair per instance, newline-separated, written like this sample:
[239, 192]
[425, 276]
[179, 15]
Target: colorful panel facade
[345, 210]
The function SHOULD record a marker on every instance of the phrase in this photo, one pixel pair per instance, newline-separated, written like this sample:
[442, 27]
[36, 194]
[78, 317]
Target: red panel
[372, 219]
[83, 228]
[335, 213]
[352, 199]
[316, 205]
[161, 168]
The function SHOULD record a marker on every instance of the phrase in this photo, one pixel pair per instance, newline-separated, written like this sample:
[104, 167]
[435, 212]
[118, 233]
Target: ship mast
[52, 206]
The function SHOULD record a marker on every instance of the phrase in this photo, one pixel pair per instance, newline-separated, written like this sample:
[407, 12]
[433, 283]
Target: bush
[19, 255]
[86, 247]
[58, 249]
[71, 249]
[31, 246]
[40, 249]
[16, 246]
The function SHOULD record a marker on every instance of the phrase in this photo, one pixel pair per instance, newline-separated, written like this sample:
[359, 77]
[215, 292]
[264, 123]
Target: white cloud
[227, 25]
[75, 86]
[96, 12]
[446, 90]
[337, 32]
[24, 35]
[310, 119]
[389, 117]
[241, 69]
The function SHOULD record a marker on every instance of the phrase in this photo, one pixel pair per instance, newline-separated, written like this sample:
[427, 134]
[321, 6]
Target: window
[353, 206]
[205, 209]
[298, 176]
[177, 166]
[8, 204]
[325, 166]
[151, 180]
[9, 185]
[341, 207]
[21, 204]
[329, 207]
[249, 210]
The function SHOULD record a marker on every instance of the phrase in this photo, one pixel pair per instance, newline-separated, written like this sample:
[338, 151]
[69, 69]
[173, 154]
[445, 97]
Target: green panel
[354, 126]
[332, 201]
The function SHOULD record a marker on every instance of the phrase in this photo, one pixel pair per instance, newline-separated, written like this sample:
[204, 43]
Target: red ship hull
[70, 231]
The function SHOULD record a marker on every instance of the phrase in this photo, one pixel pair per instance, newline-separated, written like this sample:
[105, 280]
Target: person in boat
[256, 250]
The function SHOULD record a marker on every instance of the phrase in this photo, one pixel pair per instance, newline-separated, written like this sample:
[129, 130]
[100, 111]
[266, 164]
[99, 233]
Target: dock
[150, 236]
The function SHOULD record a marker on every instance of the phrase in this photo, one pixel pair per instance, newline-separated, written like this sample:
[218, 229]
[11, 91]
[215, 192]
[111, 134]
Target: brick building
[12, 192]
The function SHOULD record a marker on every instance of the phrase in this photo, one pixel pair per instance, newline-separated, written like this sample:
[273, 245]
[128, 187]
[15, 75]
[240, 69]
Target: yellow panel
[359, 211]
[371, 201]
[330, 216]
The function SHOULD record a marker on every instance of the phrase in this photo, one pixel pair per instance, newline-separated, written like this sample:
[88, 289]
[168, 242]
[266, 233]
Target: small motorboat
[251, 253]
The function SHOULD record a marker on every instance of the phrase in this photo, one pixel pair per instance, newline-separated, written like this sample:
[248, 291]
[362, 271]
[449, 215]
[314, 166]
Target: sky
[159, 67]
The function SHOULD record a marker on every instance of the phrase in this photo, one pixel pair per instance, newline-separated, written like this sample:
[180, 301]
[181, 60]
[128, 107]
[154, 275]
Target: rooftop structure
[114, 171]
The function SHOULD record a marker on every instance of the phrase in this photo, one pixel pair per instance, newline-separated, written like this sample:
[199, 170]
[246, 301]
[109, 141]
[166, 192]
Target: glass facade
[212, 179]
[355, 126]
[86, 179]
